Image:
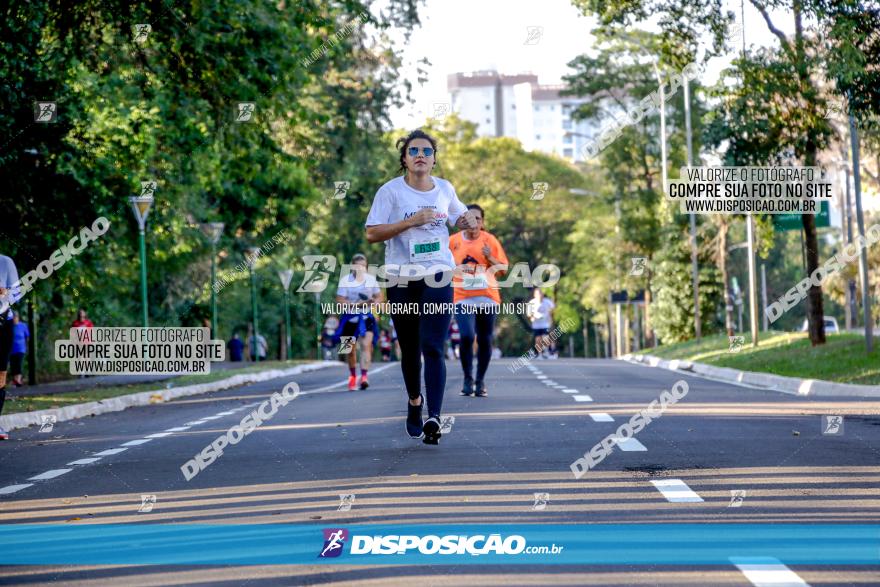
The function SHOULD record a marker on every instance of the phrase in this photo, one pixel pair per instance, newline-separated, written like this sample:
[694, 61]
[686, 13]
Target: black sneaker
[432, 431]
[481, 389]
[414, 419]
[468, 388]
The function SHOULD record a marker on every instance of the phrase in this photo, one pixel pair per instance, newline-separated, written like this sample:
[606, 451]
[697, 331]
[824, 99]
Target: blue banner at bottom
[575, 544]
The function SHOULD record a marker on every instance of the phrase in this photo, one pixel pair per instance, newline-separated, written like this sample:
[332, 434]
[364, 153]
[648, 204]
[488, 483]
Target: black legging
[479, 326]
[423, 334]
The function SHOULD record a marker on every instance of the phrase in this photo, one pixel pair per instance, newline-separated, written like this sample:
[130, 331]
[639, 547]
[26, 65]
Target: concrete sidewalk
[768, 381]
[77, 384]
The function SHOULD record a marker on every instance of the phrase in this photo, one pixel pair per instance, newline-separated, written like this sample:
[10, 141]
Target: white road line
[676, 490]
[542, 377]
[137, 442]
[50, 474]
[601, 417]
[570, 390]
[582, 398]
[110, 451]
[87, 461]
[13, 488]
[629, 444]
[209, 418]
[226, 413]
[768, 572]
[177, 429]
[196, 423]
[159, 435]
[549, 382]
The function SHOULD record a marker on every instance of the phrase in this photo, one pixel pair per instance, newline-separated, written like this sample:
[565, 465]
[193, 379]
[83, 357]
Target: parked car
[830, 325]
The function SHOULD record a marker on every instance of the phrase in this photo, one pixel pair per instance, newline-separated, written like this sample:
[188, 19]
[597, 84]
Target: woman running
[477, 300]
[410, 214]
[358, 290]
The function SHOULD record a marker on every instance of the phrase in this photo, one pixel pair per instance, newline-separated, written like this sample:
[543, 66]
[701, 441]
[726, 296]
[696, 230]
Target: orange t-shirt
[471, 278]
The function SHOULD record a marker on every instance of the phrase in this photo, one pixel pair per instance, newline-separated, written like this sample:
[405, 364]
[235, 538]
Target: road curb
[144, 398]
[792, 385]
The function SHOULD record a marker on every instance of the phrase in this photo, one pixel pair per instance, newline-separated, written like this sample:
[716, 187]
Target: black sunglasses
[414, 151]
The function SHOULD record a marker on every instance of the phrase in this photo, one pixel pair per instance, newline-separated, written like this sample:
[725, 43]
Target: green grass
[60, 400]
[842, 358]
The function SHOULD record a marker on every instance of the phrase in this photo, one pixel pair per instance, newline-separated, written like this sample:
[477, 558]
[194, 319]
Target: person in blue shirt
[20, 336]
[235, 347]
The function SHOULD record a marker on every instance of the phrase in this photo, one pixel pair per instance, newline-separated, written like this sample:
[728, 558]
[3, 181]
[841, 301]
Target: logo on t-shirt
[439, 218]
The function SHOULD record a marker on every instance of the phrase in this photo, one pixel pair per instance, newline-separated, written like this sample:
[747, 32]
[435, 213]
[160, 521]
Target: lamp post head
[212, 230]
[251, 255]
[140, 205]
[285, 276]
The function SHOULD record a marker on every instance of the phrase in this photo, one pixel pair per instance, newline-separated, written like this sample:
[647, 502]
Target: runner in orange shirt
[476, 296]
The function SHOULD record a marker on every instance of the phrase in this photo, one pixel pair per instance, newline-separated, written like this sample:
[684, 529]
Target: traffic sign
[793, 221]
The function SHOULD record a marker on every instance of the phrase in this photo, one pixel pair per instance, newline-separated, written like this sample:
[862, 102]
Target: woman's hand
[467, 221]
[423, 216]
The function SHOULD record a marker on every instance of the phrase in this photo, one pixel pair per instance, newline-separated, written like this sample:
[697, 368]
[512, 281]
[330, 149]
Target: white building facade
[516, 106]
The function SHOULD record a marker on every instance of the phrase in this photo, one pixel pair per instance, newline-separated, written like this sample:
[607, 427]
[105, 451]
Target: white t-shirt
[540, 314]
[351, 287]
[424, 248]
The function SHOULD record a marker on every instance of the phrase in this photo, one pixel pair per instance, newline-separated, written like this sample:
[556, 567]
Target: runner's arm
[382, 232]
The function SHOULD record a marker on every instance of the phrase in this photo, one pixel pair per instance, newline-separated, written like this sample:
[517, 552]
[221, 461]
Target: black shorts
[350, 328]
[6, 332]
[15, 361]
[540, 331]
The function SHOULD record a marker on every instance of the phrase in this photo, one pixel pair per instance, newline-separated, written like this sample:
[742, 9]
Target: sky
[471, 35]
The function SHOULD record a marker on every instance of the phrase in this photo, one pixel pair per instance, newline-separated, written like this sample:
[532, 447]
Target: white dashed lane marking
[110, 451]
[569, 390]
[50, 474]
[177, 429]
[160, 435]
[629, 444]
[676, 490]
[768, 572]
[13, 488]
[601, 417]
[137, 442]
[582, 398]
[87, 461]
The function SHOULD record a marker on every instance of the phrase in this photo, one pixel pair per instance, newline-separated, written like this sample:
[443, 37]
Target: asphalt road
[767, 447]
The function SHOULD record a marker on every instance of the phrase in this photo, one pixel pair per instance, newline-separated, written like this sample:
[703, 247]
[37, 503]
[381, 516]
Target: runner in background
[477, 299]
[454, 341]
[395, 344]
[540, 312]
[327, 334]
[410, 215]
[385, 345]
[358, 289]
[10, 293]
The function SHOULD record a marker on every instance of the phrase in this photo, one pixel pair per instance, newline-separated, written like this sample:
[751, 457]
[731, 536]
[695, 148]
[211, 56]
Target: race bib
[427, 249]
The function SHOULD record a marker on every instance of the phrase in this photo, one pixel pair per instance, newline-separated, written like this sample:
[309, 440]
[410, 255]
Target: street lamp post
[140, 205]
[213, 230]
[285, 276]
[251, 257]
[317, 325]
